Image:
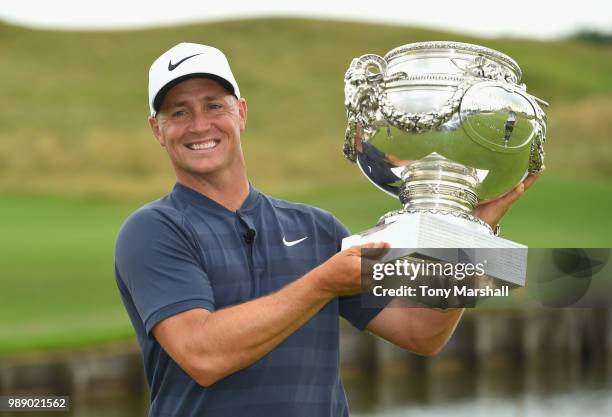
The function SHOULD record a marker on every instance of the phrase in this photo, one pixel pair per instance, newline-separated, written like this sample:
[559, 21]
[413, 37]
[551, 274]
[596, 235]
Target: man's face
[199, 124]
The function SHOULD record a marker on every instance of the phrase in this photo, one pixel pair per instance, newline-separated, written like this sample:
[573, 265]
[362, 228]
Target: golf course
[77, 156]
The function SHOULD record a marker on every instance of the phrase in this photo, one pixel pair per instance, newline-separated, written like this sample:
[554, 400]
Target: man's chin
[201, 170]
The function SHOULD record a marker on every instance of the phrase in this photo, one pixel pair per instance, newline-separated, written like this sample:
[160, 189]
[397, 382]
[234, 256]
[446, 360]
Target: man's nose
[200, 121]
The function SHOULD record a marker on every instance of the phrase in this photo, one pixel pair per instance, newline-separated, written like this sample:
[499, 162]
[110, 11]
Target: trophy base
[422, 233]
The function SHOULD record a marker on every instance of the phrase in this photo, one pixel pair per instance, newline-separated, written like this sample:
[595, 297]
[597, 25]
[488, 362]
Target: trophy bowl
[443, 126]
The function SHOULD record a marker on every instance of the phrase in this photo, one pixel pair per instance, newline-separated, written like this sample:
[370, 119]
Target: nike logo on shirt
[293, 242]
[172, 66]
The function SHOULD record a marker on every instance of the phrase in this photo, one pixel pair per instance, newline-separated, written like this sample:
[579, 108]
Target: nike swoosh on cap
[172, 66]
[293, 242]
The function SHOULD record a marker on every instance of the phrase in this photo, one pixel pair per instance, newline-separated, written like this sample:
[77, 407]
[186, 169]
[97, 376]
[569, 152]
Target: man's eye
[179, 113]
[215, 106]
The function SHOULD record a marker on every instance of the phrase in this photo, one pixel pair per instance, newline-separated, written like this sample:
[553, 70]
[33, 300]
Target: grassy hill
[76, 155]
[74, 114]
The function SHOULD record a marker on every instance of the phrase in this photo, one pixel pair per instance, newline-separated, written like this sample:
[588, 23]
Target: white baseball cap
[184, 61]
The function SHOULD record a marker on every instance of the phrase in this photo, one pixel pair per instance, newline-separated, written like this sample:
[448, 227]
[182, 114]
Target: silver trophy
[443, 126]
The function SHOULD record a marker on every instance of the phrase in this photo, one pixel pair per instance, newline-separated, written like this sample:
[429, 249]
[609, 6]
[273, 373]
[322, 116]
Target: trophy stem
[439, 186]
[437, 183]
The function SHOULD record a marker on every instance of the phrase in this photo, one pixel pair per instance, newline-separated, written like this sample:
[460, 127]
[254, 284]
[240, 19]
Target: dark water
[563, 390]
[559, 390]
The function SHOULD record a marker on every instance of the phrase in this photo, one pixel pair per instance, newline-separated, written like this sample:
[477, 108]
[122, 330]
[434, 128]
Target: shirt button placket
[245, 223]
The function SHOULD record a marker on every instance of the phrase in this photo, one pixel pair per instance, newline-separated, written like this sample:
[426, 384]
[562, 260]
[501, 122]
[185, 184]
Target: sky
[518, 18]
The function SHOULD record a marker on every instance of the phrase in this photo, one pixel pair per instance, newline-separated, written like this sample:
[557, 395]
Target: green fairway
[56, 266]
[56, 272]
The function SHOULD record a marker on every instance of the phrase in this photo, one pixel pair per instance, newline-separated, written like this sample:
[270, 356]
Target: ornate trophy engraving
[442, 126]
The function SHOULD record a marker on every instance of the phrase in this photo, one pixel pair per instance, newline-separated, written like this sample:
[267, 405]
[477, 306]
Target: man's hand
[493, 211]
[341, 274]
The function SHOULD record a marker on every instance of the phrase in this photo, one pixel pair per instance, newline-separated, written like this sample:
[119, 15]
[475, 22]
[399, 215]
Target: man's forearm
[442, 324]
[421, 330]
[235, 337]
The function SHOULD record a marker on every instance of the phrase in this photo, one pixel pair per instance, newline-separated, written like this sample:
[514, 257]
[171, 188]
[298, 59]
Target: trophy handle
[362, 89]
[372, 66]
[536, 157]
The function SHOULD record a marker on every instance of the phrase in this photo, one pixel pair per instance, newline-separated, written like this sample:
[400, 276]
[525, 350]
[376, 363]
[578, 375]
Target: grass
[57, 278]
[76, 155]
[57, 270]
[83, 119]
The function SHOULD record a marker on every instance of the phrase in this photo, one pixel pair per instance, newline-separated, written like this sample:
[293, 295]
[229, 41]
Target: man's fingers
[373, 245]
[374, 250]
[513, 195]
[518, 191]
[371, 250]
[531, 178]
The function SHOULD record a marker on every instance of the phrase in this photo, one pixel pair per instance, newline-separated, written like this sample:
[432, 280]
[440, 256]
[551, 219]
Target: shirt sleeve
[160, 263]
[351, 306]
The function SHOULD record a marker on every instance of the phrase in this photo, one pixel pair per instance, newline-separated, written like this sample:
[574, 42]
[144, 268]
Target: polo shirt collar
[195, 198]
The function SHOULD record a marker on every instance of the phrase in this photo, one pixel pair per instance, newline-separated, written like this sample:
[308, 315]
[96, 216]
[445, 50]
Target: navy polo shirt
[186, 251]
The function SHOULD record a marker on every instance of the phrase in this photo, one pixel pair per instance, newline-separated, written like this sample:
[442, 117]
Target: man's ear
[242, 109]
[155, 128]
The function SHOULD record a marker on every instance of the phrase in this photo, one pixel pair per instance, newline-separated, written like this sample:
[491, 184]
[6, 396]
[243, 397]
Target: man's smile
[203, 145]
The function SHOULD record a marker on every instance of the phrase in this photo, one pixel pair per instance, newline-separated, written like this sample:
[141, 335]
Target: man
[234, 295]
